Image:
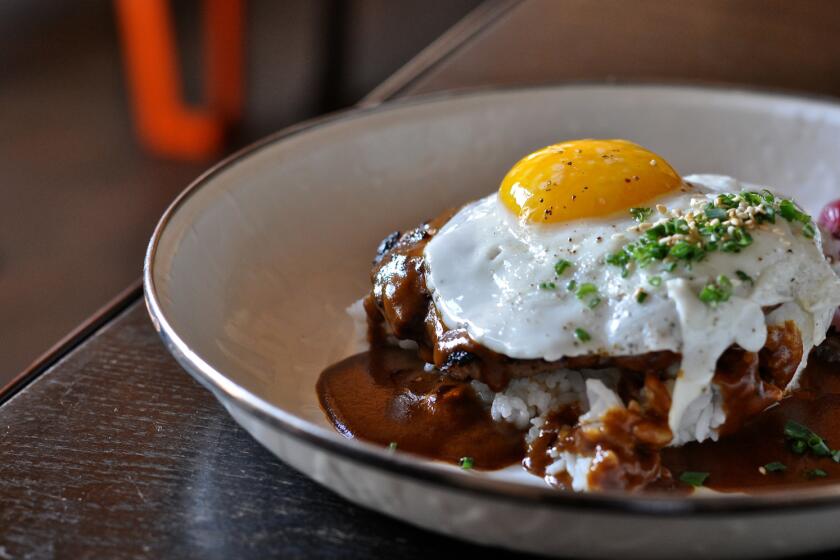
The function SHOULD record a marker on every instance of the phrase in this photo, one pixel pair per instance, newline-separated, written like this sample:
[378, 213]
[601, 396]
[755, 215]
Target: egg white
[485, 267]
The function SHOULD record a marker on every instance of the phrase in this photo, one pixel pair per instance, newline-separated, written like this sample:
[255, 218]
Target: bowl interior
[254, 268]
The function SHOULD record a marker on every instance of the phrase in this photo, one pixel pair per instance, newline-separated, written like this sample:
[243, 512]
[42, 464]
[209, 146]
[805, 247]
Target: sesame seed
[661, 208]
[653, 162]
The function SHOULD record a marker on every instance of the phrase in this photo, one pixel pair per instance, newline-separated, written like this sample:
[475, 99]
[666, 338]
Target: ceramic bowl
[250, 270]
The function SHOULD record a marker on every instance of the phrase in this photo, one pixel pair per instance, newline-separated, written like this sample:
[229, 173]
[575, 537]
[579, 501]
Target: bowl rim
[428, 471]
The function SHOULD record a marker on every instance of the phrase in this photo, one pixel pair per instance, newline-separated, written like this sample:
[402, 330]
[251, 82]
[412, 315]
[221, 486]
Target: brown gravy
[733, 462]
[384, 396]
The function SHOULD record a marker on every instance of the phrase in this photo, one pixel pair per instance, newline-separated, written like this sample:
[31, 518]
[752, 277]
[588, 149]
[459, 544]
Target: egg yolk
[585, 179]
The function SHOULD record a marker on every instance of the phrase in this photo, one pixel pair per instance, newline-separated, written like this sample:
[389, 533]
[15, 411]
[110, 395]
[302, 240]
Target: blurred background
[109, 108]
[81, 191]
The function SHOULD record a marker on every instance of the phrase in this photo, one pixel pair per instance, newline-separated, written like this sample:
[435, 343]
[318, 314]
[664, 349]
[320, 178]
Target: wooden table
[109, 449]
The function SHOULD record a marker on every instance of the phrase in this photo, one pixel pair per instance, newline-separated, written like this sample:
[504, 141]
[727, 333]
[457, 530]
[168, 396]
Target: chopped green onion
[622, 258]
[571, 286]
[795, 430]
[726, 200]
[582, 335]
[466, 463]
[769, 198]
[641, 214]
[752, 198]
[743, 276]
[548, 286]
[768, 214]
[392, 446]
[561, 266]
[655, 281]
[711, 230]
[588, 292]
[775, 466]
[789, 211]
[585, 289]
[641, 296]
[718, 292]
[694, 478]
[816, 473]
[686, 251]
[714, 213]
[803, 438]
[818, 446]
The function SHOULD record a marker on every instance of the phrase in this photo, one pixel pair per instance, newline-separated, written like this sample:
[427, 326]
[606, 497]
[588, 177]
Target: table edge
[77, 336]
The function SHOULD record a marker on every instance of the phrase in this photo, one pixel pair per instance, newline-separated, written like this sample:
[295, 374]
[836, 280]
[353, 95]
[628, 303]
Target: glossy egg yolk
[585, 179]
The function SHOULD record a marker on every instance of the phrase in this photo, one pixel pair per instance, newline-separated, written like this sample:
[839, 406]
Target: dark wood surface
[115, 452]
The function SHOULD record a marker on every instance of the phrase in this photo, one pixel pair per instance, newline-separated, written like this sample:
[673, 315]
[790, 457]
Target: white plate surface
[249, 273]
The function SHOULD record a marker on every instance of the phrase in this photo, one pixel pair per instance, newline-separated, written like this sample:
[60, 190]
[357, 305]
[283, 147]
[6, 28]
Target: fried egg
[565, 260]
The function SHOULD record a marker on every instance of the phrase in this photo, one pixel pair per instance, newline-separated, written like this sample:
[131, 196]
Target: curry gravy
[733, 462]
[385, 395]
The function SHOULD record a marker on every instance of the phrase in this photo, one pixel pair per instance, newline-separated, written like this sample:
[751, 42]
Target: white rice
[701, 419]
[577, 467]
[527, 402]
[358, 315]
[527, 399]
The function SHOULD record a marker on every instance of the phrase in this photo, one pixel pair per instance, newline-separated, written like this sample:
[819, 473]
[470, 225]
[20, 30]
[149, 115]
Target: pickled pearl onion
[830, 218]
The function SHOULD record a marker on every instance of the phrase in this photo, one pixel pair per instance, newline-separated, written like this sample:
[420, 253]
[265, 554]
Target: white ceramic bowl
[250, 270]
